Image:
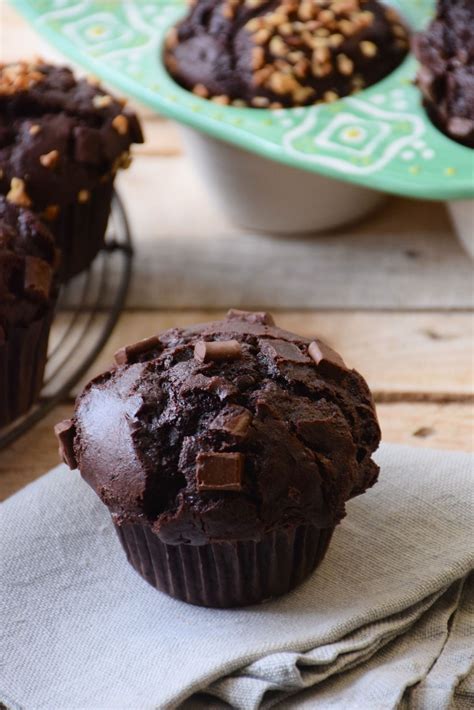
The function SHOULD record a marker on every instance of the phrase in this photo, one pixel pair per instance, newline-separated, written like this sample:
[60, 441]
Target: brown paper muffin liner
[226, 574]
[80, 230]
[22, 363]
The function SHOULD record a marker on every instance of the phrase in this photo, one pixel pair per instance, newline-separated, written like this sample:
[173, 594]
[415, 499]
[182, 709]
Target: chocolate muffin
[284, 53]
[62, 140]
[28, 260]
[446, 75]
[225, 453]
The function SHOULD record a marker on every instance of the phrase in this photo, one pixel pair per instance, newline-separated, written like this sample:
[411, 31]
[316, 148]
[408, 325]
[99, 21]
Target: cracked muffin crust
[236, 406]
[230, 432]
[62, 140]
[446, 75]
[284, 53]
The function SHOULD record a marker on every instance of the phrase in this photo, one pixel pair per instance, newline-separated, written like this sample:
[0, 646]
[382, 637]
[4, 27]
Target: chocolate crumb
[250, 316]
[130, 353]
[65, 432]
[217, 350]
[219, 471]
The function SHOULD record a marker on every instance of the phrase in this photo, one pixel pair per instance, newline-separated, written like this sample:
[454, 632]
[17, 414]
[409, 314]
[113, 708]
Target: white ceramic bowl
[267, 196]
[462, 215]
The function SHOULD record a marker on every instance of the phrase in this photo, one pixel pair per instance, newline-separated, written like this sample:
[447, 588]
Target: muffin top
[28, 260]
[225, 430]
[446, 75]
[284, 53]
[59, 136]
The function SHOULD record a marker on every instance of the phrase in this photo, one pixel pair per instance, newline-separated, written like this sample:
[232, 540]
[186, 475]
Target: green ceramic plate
[381, 138]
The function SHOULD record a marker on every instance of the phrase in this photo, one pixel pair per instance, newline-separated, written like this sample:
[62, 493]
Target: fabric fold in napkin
[385, 622]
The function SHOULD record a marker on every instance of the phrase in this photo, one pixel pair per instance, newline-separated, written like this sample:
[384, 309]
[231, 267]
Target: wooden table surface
[417, 357]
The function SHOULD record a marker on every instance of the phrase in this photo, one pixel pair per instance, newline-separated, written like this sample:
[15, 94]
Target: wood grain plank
[402, 355]
[448, 426]
[434, 426]
[403, 256]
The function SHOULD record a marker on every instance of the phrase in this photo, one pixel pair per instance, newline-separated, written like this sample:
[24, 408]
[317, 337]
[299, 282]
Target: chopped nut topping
[17, 194]
[83, 196]
[102, 101]
[92, 80]
[368, 49]
[295, 42]
[258, 58]
[254, 4]
[282, 83]
[201, 90]
[345, 65]
[260, 76]
[171, 41]
[260, 101]
[278, 46]
[399, 31]
[262, 36]
[222, 100]
[120, 123]
[34, 129]
[330, 97]
[18, 77]
[49, 160]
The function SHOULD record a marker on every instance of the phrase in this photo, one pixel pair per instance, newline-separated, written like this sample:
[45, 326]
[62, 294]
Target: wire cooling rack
[88, 309]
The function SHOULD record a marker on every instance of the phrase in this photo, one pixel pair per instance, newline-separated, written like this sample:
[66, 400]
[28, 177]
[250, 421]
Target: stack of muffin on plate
[62, 141]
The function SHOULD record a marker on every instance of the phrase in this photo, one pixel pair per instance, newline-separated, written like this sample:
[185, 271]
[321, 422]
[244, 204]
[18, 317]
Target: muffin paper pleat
[80, 230]
[228, 573]
[22, 363]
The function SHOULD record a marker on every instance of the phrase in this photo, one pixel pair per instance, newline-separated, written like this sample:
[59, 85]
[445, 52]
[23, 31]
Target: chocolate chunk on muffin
[62, 141]
[446, 75]
[225, 453]
[28, 261]
[284, 53]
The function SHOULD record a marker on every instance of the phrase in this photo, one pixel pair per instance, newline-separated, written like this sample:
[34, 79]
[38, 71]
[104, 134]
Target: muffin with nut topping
[446, 74]
[226, 453]
[28, 289]
[284, 53]
[62, 141]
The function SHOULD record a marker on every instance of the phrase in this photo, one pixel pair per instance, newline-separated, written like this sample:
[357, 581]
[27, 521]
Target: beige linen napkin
[384, 622]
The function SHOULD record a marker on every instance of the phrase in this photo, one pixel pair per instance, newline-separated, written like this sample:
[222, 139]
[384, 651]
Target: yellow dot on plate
[366, 160]
[414, 169]
[267, 122]
[450, 172]
[97, 31]
[353, 133]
